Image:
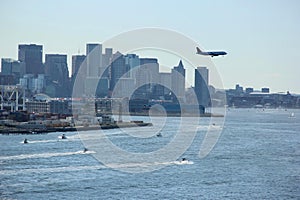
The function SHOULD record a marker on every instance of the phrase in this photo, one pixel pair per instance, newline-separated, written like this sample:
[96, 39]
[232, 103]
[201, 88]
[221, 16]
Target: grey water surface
[256, 157]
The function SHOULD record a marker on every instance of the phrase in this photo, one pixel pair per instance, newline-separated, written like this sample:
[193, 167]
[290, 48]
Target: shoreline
[7, 130]
[18, 131]
[176, 114]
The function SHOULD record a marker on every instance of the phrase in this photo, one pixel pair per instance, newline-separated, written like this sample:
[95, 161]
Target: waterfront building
[37, 106]
[53, 106]
[103, 106]
[60, 107]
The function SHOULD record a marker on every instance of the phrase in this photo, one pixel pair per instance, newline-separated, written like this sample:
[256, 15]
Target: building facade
[178, 80]
[94, 59]
[32, 56]
[117, 69]
[56, 69]
[77, 60]
[10, 67]
[201, 86]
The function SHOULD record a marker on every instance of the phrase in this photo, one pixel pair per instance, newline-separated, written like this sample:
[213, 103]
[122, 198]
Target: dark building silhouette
[239, 89]
[11, 67]
[56, 69]
[7, 80]
[77, 60]
[249, 90]
[265, 90]
[117, 69]
[32, 56]
[201, 86]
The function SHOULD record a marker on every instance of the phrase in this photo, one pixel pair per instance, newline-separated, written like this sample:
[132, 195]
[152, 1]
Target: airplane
[210, 53]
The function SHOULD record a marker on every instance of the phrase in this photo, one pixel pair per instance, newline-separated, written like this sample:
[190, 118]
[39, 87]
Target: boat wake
[147, 165]
[60, 139]
[79, 168]
[51, 169]
[184, 162]
[39, 141]
[43, 155]
[210, 128]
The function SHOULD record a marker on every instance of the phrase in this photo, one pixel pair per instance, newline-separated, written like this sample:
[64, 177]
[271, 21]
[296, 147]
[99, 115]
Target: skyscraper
[117, 69]
[94, 59]
[106, 61]
[11, 67]
[56, 69]
[166, 82]
[178, 80]
[148, 71]
[32, 56]
[201, 86]
[147, 76]
[132, 61]
[77, 60]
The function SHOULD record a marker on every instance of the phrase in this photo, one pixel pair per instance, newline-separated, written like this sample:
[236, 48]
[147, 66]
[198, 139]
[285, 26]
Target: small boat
[159, 134]
[25, 141]
[63, 136]
[184, 161]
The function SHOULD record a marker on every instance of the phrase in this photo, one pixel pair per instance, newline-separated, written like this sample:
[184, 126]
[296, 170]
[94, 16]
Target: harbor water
[257, 156]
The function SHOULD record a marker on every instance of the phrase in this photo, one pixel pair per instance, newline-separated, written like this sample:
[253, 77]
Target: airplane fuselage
[211, 53]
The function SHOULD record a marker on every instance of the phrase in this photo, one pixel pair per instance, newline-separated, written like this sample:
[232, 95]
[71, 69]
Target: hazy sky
[261, 37]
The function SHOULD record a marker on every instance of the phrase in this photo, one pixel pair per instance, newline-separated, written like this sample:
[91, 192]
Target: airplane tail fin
[198, 50]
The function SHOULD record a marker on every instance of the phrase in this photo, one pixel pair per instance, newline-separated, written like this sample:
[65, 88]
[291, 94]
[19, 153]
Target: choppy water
[257, 156]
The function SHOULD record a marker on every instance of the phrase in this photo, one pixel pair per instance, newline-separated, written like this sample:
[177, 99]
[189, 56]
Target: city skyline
[91, 51]
[74, 66]
[261, 38]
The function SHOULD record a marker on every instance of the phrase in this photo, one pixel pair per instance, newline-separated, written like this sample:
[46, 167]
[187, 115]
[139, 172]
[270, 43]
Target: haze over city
[261, 38]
